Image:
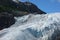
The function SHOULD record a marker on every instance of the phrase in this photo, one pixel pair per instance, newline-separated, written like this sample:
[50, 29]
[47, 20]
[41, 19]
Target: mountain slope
[10, 9]
[33, 27]
[11, 6]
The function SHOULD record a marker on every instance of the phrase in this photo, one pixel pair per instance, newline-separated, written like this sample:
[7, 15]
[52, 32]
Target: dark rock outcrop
[6, 20]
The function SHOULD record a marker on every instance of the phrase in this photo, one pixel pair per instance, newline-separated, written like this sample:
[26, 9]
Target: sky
[48, 6]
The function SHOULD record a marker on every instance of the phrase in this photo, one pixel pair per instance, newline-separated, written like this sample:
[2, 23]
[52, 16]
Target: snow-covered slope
[32, 27]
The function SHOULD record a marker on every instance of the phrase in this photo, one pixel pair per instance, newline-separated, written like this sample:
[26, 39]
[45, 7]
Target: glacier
[33, 27]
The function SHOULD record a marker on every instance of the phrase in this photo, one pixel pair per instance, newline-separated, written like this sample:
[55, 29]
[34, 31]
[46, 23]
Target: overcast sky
[48, 6]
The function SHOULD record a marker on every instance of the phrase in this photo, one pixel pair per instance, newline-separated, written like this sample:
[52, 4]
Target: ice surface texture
[33, 27]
